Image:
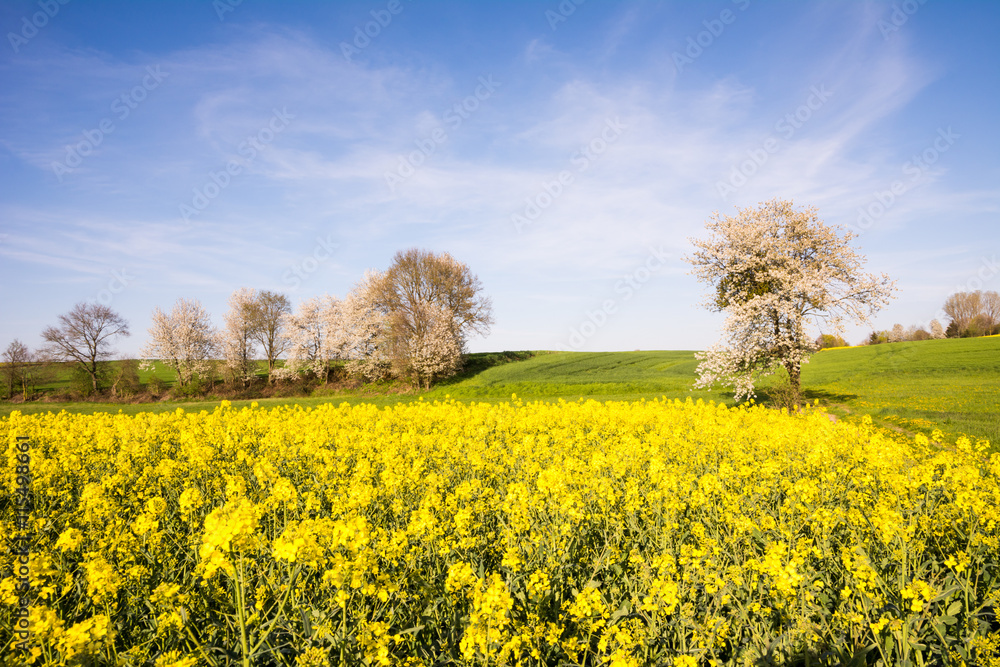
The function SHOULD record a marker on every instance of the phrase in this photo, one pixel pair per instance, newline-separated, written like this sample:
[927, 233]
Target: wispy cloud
[351, 123]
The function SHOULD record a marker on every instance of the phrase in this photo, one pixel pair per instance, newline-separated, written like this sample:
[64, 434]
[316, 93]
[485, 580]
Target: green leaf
[414, 630]
[623, 610]
[954, 608]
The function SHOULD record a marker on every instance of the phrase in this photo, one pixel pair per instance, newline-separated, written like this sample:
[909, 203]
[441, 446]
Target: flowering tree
[417, 290]
[237, 339]
[185, 339]
[774, 270]
[437, 353]
[937, 331]
[362, 330]
[310, 337]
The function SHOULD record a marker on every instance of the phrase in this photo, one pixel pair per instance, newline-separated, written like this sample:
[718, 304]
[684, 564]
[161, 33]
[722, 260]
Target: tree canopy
[775, 271]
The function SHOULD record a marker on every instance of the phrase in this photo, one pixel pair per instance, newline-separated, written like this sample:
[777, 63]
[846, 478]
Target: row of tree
[971, 314]
[901, 334]
[412, 321]
[83, 338]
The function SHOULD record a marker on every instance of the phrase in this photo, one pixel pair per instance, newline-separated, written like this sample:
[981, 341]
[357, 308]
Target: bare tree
[990, 306]
[84, 337]
[962, 307]
[980, 325]
[413, 294]
[17, 362]
[185, 339]
[774, 270]
[126, 379]
[268, 311]
[237, 339]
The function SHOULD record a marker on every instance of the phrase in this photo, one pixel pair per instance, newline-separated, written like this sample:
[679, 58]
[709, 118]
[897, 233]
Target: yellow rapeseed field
[650, 533]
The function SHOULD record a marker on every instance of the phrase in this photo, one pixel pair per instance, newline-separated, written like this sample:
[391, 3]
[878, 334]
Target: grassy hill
[950, 384]
[953, 384]
[619, 375]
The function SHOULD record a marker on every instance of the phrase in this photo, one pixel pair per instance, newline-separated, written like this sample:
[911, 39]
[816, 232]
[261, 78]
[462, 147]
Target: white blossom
[937, 331]
[311, 335]
[775, 270]
[362, 330]
[185, 340]
[437, 352]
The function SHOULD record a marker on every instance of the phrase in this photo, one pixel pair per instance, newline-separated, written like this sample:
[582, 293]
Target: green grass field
[950, 384]
[953, 384]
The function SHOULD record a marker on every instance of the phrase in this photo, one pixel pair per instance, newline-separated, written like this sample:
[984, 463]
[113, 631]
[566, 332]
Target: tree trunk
[794, 381]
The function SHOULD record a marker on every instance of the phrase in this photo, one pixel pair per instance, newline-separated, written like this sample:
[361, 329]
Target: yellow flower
[176, 659]
[69, 540]
[918, 592]
[190, 500]
[102, 582]
[227, 528]
[156, 505]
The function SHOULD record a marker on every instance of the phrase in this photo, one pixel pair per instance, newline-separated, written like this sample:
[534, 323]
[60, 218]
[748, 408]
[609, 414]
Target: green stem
[241, 611]
[281, 605]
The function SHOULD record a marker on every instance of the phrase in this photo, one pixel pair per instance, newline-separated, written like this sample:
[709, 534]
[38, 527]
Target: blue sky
[566, 152]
